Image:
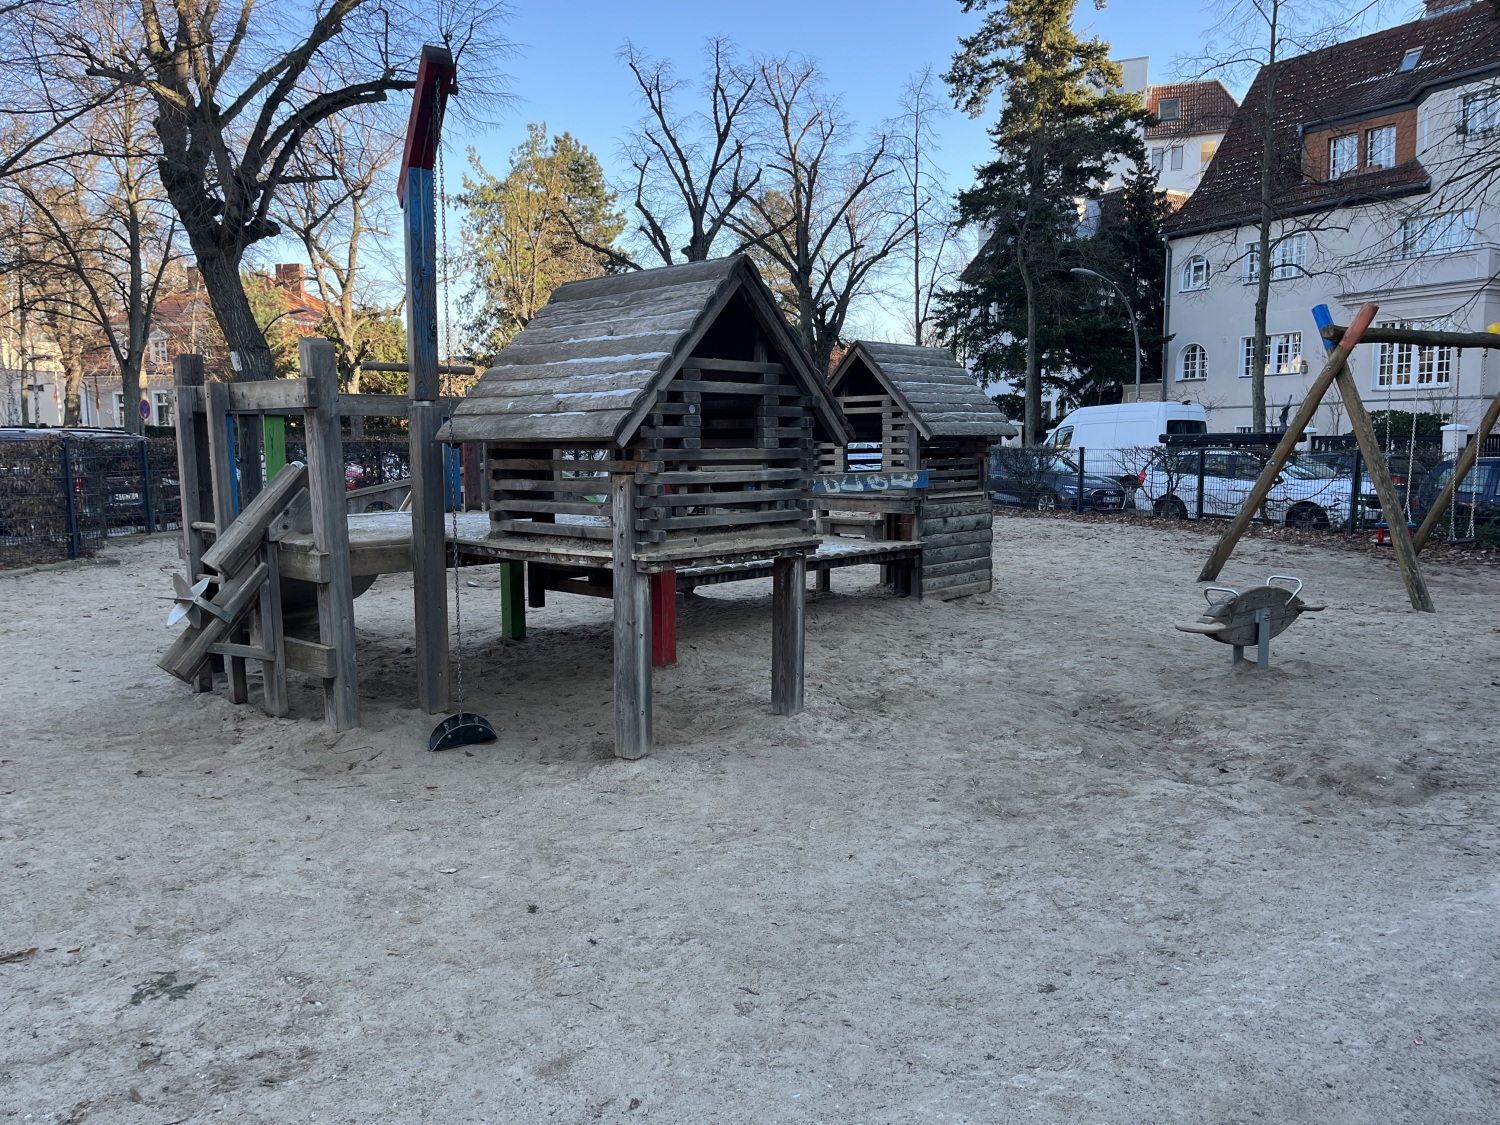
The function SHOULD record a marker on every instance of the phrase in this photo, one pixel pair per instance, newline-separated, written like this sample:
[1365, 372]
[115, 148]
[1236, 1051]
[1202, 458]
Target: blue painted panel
[832, 484]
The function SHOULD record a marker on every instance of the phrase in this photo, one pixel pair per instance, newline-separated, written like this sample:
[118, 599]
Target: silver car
[1305, 495]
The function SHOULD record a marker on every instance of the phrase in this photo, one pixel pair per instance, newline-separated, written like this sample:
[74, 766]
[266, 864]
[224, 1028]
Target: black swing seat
[463, 729]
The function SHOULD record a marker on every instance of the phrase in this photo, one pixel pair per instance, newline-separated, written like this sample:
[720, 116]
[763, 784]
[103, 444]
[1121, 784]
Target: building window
[163, 409]
[1194, 275]
[1343, 156]
[1412, 365]
[120, 408]
[1169, 109]
[1283, 354]
[1435, 234]
[156, 351]
[1192, 363]
[1176, 158]
[1206, 152]
[1288, 259]
[1480, 113]
[1158, 159]
[1380, 146]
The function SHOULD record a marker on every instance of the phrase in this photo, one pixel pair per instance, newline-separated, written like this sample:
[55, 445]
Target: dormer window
[1343, 156]
[1169, 109]
[1410, 60]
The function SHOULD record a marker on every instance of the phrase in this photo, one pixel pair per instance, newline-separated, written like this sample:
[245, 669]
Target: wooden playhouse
[646, 423]
[917, 464]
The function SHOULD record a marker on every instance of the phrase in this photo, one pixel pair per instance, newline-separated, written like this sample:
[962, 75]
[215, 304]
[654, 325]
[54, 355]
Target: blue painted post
[1323, 318]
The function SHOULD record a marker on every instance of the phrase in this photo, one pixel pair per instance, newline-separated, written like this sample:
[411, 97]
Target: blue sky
[566, 70]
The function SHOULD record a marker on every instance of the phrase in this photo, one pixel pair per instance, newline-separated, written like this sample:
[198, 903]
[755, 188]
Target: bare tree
[692, 168]
[238, 91]
[342, 196]
[101, 241]
[826, 216]
[929, 207]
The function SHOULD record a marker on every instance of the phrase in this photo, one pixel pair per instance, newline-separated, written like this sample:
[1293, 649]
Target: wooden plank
[1466, 460]
[193, 474]
[266, 632]
[1385, 488]
[957, 538]
[723, 519]
[237, 543]
[310, 658]
[564, 429]
[325, 489]
[428, 546]
[513, 600]
[573, 486]
[559, 507]
[762, 390]
[722, 476]
[579, 586]
[788, 633]
[942, 524]
[718, 499]
[746, 456]
[1335, 362]
[564, 464]
[974, 566]
[963, 552]
[567, 530]
[949, 593]
[221, 464]
[188, 653]
[373, 406]
[632, 630]
[739, 366]
[266, 394]
[663, 618]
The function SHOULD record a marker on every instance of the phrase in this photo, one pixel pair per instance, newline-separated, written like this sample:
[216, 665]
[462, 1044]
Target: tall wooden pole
[416, 188]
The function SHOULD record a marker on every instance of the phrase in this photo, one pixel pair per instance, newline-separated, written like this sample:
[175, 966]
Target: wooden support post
[825, 580]
[330, 521]
[224, 471]
[664, 618]
[1466, 460]
[194, 476]
[536, 585]
[513, 600]
[266, 633]
[1380, 474]
[1337, 358]
[632, 629]
[429, 596]
[788, 633]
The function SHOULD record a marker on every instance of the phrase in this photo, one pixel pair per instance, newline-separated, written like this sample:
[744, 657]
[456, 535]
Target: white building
[1191, 120]
[1380, 139]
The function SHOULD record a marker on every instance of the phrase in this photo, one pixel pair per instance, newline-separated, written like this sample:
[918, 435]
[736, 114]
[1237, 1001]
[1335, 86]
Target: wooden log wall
[956, 464]
[897, 448]
[530, 488]
[956, 533]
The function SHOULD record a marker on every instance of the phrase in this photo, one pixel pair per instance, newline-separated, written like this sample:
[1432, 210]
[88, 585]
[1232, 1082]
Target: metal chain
[458, 612]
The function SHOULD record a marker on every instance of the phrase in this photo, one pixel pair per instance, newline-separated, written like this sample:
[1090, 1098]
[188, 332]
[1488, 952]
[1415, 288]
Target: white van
[1112, 436]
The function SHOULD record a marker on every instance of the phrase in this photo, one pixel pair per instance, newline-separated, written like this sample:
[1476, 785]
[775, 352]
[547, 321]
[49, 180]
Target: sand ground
[1026, 857]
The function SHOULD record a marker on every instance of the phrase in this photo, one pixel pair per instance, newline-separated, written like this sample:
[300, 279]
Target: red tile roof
[1360, 78]
[1207, 107]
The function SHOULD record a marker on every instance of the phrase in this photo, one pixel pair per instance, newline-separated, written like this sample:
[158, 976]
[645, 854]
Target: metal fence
[63, 495]
[1329, 489]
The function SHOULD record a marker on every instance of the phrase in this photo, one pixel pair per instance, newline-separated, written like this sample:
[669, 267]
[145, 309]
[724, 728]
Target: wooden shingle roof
[588, 365]
[934, 389]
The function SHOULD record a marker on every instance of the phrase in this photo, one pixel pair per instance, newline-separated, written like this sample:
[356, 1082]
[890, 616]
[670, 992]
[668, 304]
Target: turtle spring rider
[1253, 616]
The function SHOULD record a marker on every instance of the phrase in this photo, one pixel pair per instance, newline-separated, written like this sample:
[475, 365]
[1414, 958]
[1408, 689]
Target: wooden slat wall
[957, 535]
[955, 464]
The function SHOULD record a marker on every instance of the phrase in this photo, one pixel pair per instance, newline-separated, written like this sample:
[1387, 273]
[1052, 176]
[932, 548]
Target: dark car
[1477, 499]
[1048, 481]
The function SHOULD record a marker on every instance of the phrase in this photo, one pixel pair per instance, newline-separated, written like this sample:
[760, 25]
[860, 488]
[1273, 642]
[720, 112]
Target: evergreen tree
[1063, 122]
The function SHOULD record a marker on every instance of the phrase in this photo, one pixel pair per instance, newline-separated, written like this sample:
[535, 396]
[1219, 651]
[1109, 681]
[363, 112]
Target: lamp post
[1134, 328]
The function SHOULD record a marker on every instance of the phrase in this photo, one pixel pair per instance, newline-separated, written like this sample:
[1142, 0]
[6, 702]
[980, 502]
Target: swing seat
[462, 729]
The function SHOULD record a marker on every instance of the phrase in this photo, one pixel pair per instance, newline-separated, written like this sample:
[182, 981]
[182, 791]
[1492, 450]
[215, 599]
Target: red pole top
[436, 76]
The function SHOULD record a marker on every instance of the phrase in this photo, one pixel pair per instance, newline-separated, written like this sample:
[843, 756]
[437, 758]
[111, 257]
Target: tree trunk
[1258, 348]
[226, 294]
[1031, 423]
[72, 365]
[130, 383]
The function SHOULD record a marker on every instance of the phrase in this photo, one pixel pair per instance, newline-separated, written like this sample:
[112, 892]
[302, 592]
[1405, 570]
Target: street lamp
[1134, 329]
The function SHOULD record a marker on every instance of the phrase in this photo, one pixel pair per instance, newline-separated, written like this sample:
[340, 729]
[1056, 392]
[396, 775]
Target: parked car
[1107, 433]
[1046, 481]
[1306, 494]
[1408, 471]
[1478, 496]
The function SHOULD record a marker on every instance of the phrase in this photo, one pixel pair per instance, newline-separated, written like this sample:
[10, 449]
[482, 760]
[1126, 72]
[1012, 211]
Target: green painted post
[513, 600]
[275, 444]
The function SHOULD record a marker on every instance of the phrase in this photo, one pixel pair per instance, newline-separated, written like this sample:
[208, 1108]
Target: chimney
[1438, 7]
[290, 277]
[194, 281]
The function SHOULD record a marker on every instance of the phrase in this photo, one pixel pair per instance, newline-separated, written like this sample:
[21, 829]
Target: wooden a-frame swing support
[1339, 342]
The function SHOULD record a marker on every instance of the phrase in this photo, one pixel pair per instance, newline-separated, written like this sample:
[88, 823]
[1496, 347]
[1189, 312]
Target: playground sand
[1030, 856]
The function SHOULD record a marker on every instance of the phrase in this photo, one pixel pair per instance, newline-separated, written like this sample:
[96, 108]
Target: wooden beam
[1422, 337]
[266, 632]
[1466, 459]
[632, 632]
[513, 600]
[194, 476]
[1390, 502]
[1336, 361]
[330, 520]
[238, 542]
[267, 394]
[429, 567]
[664, 618]
[788, 633]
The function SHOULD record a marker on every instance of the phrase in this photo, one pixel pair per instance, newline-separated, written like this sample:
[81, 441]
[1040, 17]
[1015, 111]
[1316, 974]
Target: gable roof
[1342, 83]
[587, 367]
[934, 389]
[1207, 107]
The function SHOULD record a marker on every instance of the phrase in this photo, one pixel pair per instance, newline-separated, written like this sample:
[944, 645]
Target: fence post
[1080, 480]
[1202, 473]
[70, 506]
[1356, 493]
[146, 499]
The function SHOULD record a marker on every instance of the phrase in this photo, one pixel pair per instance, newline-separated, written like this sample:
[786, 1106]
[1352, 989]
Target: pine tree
[1064, 120]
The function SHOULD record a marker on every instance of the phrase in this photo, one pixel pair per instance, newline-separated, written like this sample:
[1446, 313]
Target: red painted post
[664, 618]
